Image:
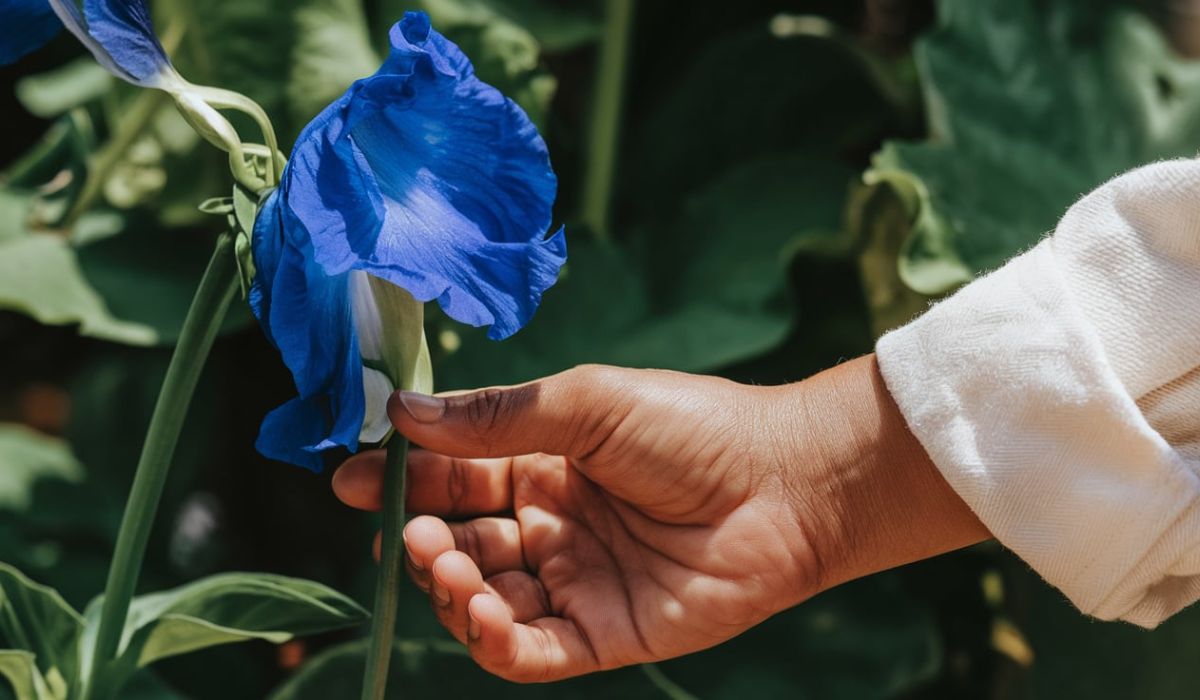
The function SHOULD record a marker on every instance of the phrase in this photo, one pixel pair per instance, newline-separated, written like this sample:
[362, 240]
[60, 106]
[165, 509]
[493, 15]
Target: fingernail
[415, 566]
[472, 627]
[440, 594]
[422, 407]
[408, 555]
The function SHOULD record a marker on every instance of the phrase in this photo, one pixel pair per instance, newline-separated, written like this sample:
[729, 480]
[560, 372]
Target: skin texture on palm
[605, 517]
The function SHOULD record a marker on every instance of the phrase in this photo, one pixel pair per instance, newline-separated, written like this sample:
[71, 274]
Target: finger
[569, 414]
[425, 538]
[437, 484]
[455, 487]
[547, 649]
[359, 481]
[525, 596]
[494, 544]
[456, 580]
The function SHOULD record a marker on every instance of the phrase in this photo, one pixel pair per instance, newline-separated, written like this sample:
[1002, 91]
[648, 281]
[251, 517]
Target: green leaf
[20, 670]
[149, 275]
[710, 291]
[331, 51]
[35, 618]
[40, 276]
[49, 94]
[224, 609]
[1031, 105]
[312, 52]
[27, 457]
[753, 93]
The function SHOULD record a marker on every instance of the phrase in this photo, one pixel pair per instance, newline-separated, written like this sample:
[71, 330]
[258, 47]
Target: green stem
[606, 117]
[145, 107]
[670, 688]
[216, 291]
[387, 583]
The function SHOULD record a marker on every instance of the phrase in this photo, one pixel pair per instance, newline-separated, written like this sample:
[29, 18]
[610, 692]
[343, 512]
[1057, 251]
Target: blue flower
[26, 26]
[119, 34]
[420, 178]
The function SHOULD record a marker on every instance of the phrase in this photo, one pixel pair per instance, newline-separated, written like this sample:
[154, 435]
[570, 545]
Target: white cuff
[1060, 396]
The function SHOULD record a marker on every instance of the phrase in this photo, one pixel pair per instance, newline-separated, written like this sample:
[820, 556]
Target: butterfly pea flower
[420, 182]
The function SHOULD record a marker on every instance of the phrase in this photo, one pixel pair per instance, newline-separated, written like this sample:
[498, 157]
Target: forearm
[879, 500]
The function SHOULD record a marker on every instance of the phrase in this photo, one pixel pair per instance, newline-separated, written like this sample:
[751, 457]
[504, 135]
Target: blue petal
[27, 25]
[124, 29]
[453, 190]
[120, 35]
[307, 315]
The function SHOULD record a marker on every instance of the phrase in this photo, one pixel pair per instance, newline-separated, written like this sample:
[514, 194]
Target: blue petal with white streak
[423, 176]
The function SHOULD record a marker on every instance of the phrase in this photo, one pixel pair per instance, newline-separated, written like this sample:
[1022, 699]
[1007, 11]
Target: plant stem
[145, 106]
[387, 583]
[213, 296]
[606, 117]
[670, 688]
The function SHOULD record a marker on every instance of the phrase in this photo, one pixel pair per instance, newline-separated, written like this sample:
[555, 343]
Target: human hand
[605, 517]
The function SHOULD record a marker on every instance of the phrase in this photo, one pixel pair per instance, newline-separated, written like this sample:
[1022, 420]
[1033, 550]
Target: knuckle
[588, 378]
[486, 409]
[468, 540]
[457, 484]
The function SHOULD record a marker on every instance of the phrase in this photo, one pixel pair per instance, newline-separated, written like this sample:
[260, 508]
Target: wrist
[861, 485]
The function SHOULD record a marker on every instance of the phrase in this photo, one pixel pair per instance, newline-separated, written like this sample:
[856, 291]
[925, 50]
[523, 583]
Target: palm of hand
[648, 580]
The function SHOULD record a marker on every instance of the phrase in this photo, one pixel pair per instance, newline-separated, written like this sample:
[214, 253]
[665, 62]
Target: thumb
[569, 414]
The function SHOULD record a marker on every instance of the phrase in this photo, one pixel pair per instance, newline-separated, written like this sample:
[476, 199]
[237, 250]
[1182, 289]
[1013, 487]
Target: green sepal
[243, 210]
[218, 206]
[405, 349]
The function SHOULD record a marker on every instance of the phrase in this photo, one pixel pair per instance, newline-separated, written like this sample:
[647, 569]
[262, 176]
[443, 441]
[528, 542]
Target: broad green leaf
[291, 56]
[753, 94]
[228, 608]
[709, 291]
[331, 51]
[148, 275]
[52, 93]
[40, 276]
[21, 672]
[35, 618]
[14, 213]
[1031, 104]
[27, 457]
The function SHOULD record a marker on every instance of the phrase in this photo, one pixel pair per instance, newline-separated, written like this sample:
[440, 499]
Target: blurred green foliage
[745, 242]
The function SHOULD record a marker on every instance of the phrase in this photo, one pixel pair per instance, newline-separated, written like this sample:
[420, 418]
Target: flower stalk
[389, 577]
[604, 138]
[216, 291]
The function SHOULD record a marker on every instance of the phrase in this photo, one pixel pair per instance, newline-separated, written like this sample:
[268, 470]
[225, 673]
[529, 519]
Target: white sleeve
[1060, 396]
